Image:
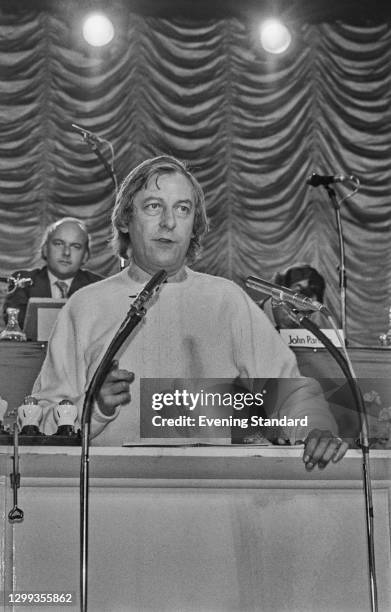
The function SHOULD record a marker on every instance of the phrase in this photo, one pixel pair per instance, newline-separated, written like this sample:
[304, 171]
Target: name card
[41, 315]
[303, 337]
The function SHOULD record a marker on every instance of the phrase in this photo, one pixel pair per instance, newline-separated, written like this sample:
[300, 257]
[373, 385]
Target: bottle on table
[12, 330]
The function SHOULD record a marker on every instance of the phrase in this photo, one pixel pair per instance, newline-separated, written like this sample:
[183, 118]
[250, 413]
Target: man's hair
[138, 179]
[302, 271]
[53, 226]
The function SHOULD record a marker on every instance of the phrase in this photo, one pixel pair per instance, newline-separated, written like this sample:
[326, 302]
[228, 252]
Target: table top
[246, 463]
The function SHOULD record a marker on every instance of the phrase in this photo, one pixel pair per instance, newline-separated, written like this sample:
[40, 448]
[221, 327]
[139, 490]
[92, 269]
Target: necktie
[63, 287]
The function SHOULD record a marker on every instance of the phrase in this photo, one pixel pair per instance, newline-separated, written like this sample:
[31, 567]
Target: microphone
[16, 282]
[21, 282]
[150, 288]
[87, 135]
[283, 294]
[317, 179]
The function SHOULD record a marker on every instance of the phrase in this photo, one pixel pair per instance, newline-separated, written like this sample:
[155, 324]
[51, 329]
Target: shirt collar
[53, 279]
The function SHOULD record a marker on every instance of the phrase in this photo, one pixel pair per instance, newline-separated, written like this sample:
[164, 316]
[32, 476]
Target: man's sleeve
[64, 373]
[263, 354]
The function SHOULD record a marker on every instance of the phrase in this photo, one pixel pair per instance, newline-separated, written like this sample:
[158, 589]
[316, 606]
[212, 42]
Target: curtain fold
[250, 129]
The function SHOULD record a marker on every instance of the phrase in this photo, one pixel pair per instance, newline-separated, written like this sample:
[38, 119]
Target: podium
[197, 529]
[20, 363]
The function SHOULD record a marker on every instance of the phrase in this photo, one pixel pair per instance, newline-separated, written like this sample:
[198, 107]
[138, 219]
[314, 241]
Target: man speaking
[197, 327]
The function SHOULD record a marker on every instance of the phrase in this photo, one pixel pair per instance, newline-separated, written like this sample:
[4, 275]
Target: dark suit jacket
[41, 288]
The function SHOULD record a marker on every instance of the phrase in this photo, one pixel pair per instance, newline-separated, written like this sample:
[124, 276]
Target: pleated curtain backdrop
[250, 129]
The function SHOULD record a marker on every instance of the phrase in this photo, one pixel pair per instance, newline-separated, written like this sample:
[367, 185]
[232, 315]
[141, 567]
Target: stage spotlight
[98, 30]
[275, 36]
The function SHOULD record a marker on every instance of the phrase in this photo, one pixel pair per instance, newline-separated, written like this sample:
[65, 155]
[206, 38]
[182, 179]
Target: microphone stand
[304, 321]
[341, 267]
[133, 317]
[94, 146]
[15, 515]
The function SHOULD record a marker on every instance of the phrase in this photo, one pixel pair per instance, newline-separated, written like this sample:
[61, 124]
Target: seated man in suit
[65, 247]
[306, 282]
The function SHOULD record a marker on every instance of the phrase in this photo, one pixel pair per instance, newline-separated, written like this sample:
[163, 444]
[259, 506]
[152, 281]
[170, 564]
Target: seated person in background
[304, 280]
[65, 247]
[197, 326]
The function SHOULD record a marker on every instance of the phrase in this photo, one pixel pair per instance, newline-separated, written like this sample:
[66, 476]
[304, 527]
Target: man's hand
[320, 446]
[115, 389]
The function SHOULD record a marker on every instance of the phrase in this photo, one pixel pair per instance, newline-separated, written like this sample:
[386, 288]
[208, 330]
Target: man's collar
[139, 275]
[53, 279]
